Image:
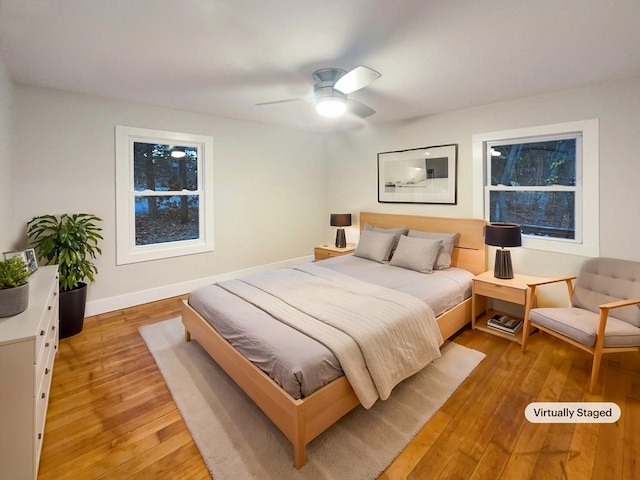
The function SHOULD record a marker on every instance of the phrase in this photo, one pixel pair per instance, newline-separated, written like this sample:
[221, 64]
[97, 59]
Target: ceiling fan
[331, 90]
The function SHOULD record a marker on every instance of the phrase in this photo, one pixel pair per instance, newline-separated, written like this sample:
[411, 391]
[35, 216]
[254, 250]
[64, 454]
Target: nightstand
[515, 290]
[322, 252]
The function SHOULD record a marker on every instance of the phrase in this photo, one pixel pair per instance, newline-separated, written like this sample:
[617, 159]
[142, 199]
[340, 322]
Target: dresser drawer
[48, 325]
[45, 362]
[41, 402]
[500, 292]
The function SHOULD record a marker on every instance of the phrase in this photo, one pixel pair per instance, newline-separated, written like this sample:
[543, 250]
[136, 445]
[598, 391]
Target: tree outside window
[533, 182]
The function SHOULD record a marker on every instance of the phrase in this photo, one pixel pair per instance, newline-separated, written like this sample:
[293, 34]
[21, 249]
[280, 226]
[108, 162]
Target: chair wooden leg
[525, 334]
[595, 370]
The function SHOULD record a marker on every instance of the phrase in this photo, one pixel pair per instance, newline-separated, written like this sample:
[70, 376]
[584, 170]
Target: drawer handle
[42, 332]
[46, 345]
[49, 307]
[43, 395]
[46, 371]
[39, 436]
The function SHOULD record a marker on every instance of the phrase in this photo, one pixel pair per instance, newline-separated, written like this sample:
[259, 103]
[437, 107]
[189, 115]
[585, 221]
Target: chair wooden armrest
[552, 280]
[619, 303]
[604, 313]
[568, 279]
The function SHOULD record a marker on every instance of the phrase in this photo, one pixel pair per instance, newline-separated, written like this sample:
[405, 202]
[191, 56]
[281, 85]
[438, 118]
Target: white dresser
[28, 346]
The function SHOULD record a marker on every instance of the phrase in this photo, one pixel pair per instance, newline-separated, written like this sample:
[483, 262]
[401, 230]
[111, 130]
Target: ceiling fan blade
[356, 79]
[281, 101]
[359, 109]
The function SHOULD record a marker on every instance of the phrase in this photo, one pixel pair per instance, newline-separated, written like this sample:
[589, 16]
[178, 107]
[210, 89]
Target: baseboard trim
[110, 304]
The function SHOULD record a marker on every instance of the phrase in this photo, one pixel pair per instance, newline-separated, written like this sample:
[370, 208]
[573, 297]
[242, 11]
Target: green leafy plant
[71, 242]
[13, 273]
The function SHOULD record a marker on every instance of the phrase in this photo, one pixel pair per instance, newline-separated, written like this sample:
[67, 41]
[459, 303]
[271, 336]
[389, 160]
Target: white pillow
[374, 246]
[415, 253]
[444, 255]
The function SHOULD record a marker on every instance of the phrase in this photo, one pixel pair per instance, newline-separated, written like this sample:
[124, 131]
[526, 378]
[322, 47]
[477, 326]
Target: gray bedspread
[295, 360]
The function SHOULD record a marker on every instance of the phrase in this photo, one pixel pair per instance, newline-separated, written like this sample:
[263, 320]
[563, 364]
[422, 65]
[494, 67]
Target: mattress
[297, 362]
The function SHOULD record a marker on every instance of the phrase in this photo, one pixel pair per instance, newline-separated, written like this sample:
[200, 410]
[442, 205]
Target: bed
[302, 419]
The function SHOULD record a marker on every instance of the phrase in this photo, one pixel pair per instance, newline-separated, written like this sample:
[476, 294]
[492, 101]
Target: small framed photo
[31, 259]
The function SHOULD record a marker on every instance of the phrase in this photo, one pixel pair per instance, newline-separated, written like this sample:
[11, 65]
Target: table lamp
[341, 220]
[503, 235]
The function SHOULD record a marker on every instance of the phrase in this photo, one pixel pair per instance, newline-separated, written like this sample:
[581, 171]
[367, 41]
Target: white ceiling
[222, 56]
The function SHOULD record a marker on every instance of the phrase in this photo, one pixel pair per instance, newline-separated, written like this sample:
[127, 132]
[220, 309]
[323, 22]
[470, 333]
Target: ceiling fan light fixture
[331, 107]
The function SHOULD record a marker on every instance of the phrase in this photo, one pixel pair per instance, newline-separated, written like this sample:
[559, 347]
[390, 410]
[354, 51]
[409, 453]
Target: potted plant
[14, 286]
[71, 242]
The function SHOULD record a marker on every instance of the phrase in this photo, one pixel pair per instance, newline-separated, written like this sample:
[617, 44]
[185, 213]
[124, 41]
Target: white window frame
[126, 249]
[587, 221]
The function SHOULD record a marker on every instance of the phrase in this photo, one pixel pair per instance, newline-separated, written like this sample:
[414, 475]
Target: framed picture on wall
[419, 175]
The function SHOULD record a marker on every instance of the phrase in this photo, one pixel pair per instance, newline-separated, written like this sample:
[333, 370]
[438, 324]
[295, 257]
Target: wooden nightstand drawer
[322, 254]
[501, 292]
[328, 251]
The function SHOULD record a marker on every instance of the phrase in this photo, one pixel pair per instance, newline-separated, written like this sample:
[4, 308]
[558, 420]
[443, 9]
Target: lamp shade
[503, 235]
[340, 219]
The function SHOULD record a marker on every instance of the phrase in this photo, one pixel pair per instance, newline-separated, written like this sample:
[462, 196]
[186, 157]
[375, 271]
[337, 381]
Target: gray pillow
[417, 254]
[374, 246]
[448, 241]
[396, 232]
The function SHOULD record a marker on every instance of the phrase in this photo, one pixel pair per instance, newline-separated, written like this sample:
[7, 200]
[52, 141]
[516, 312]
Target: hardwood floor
[112, 416]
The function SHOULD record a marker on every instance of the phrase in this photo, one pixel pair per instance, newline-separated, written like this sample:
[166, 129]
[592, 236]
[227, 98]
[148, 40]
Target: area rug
[238, 442]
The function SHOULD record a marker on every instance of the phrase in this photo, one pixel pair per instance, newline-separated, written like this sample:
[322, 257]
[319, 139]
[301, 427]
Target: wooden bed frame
[303, 420]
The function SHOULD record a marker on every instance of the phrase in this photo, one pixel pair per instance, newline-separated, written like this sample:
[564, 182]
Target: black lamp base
[503, 268]
[341, 238]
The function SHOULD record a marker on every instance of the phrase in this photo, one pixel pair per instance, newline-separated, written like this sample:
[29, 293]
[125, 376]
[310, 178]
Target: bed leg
[187, 335]
[299, 456]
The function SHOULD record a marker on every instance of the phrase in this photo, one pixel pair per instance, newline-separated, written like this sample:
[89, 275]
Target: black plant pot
[71, 309]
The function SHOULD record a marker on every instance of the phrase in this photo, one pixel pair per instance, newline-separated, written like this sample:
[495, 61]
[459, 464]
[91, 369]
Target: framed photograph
[20, 254]
[419, 175]
[32, 259]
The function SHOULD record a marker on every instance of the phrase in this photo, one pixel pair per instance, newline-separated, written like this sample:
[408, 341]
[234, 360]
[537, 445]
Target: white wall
[269, 187]
[352, 163]
[6, 109]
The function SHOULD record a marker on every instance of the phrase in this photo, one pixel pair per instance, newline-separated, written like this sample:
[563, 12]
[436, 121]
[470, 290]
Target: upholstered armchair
[604, 316]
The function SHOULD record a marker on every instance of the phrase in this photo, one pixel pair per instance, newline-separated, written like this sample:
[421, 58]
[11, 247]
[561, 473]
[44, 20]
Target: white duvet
[380, 336]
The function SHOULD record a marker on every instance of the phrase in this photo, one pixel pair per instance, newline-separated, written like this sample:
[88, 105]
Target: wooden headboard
[469, 251]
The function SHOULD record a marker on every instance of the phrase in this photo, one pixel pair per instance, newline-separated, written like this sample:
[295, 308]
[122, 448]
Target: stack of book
[505, 324]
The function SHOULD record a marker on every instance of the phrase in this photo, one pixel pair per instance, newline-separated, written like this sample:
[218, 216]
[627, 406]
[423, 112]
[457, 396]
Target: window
[163, 192]
[533, 182]
[546, 180]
